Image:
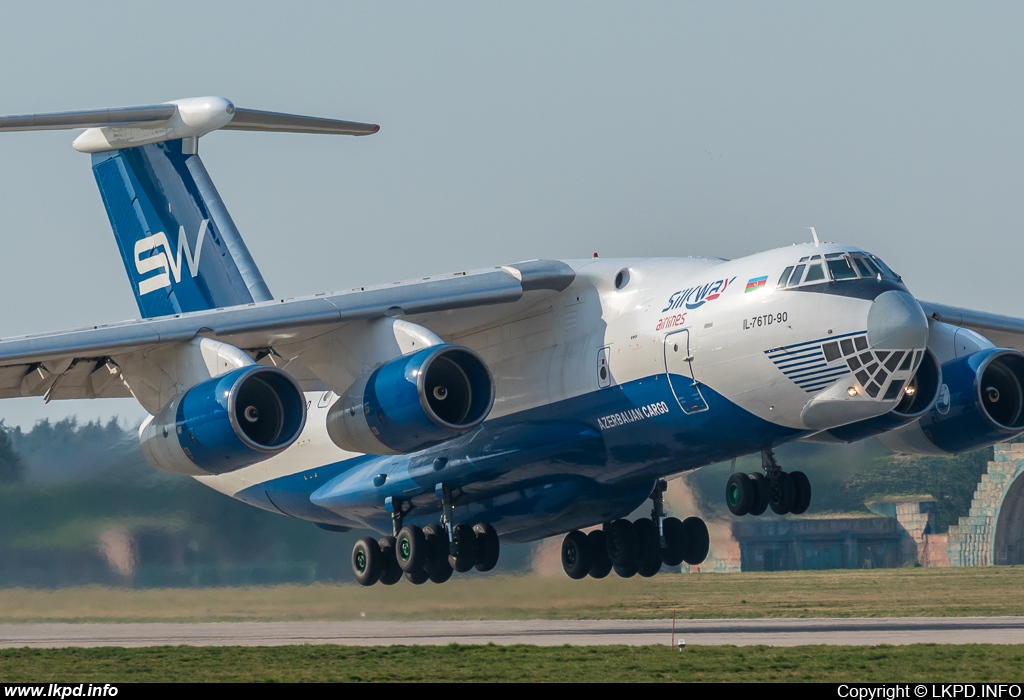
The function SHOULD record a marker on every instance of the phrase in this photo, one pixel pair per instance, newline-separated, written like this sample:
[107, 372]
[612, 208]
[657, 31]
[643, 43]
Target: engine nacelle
[918, 398]
[981, 402]
[412, 402]
[226, 423]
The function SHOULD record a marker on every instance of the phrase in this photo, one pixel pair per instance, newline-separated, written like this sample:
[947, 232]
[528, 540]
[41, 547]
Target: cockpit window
[798, 273]
[841, 269]
[864, 267]
[886, 271]
[836, 267]
[815, 273]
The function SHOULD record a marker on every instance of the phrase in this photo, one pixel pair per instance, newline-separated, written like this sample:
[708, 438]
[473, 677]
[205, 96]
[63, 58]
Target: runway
[774, 632]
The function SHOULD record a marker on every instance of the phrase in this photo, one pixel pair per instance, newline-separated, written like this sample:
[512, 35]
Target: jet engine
[981, 402]
[226, 423]
[918, 397]
[412, 402]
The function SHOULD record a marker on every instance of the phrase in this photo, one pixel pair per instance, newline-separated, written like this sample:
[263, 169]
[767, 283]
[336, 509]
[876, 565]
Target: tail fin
[180, 248]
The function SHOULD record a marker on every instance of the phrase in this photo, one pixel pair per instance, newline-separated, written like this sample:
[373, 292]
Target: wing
[82, 363]
[1003, 331]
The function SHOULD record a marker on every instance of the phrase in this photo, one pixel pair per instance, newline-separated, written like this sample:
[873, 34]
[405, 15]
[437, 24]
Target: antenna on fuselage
[814, 234]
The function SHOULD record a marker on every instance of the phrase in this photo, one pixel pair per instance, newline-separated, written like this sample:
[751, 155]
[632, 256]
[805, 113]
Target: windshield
[835, 267]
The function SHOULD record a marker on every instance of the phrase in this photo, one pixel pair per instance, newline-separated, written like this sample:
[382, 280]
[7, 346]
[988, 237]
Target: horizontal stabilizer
[86, 118]
[129, 127]
[258, 120]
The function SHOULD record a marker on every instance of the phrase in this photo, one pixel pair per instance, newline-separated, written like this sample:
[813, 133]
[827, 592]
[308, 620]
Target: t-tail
[180, 248]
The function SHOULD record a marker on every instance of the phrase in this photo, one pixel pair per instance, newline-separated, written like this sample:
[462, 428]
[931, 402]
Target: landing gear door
[679, 368]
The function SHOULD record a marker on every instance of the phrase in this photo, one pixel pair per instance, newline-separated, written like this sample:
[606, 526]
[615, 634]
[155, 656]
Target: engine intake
[226, 423]
[981, 402]
[412, 402]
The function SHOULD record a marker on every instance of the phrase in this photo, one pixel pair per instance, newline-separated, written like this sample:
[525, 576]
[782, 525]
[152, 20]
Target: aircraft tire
[626, 571]
[782, 494]
[677, 544]
[622, 543]
[437, 549]
[390, 572]
[700, 540]
[411, 549]
[367, 561]
[649, 555]
[802, 487]
[600, 565]
[465, 545]
[488, 546]
[759, 500]
[738, 492]
[576, 555]
[417, 577]
[440, 571]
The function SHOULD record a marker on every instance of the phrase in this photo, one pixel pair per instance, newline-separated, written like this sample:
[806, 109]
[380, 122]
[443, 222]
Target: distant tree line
[12, 468]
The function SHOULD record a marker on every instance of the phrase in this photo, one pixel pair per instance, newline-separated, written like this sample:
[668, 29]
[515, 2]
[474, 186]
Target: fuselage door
[679, 368]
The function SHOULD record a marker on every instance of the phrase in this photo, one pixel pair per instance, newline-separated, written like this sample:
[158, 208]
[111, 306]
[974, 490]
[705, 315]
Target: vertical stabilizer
[180, 248]
[179, 245]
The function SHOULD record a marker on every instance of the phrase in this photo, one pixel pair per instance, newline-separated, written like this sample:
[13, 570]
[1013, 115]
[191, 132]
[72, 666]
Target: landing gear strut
[639, 547]
[783, 492]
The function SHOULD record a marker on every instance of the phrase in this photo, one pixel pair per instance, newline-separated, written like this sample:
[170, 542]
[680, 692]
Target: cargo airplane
[512, 403]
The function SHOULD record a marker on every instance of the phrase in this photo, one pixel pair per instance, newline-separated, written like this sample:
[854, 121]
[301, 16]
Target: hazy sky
[521, 130]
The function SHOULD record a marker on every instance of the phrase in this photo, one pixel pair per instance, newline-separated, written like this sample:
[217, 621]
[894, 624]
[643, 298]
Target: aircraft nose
[897, 322]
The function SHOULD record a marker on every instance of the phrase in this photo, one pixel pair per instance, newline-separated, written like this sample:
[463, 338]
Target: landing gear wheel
[802, 487]
[759, 488]
[627, 570]
[411, 549]
[576, 558]
[366, 561]
[436, 565]
[390, 573]
[781, 494]
[699, 539]
[738, 493]
[440, 574]
[677, 546]
[621, 543]
[464, 540]
[601, 565]
[488, 547]
[649, 556]
[417, 577]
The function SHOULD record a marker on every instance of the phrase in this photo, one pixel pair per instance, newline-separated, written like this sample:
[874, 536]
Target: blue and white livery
[510, 403]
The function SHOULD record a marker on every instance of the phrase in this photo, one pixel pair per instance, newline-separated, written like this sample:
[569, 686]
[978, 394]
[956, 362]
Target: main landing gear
[432, 553]
[783, 492]
[639, 547]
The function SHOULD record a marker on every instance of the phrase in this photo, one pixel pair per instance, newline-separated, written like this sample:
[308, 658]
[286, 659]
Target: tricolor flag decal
[755, 284]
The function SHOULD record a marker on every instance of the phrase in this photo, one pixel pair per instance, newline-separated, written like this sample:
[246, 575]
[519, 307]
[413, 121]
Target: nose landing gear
[783, 492]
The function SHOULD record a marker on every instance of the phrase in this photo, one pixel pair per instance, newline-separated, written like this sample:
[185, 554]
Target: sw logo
[162, 259]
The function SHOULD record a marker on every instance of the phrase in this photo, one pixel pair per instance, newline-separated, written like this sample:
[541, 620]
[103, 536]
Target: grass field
[850, 593]
[928, 663]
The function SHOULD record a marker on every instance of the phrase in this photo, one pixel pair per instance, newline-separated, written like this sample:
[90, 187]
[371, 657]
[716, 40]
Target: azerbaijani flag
[756, 283]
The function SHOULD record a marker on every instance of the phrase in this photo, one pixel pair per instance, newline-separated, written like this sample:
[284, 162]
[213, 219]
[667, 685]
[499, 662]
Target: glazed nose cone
[897, 322]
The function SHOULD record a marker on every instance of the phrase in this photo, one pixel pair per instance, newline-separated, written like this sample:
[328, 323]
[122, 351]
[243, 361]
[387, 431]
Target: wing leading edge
[64, 364]
[1003, 331]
